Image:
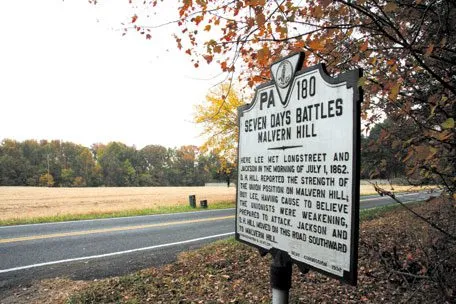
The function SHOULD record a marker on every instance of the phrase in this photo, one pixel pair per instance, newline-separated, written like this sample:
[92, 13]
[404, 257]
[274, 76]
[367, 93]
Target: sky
[67, 73]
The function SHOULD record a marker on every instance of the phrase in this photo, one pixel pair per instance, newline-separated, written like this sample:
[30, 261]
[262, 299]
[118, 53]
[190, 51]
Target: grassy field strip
[109, 215]
[377, 212]
[32, 205]
[117, 217]
[115, 229]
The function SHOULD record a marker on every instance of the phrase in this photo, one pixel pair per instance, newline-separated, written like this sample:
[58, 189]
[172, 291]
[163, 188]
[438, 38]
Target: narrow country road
[109, 247]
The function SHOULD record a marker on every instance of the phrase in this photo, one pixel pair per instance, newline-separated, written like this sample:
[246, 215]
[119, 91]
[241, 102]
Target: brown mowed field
[33, 202]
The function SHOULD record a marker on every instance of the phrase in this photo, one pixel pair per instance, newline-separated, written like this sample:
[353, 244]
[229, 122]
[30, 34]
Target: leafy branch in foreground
[406, 49]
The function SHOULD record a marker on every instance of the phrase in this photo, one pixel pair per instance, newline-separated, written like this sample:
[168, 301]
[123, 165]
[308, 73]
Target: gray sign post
[298, 172]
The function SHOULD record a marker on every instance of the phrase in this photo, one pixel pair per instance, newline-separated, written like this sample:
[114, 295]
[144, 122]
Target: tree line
[65, 164]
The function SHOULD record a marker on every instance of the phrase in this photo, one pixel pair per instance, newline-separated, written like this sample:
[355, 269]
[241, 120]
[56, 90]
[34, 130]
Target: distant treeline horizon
[59, 163]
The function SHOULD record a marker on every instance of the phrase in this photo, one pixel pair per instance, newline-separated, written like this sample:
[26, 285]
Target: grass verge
[125, 213]
[364, 214]
[374, 213]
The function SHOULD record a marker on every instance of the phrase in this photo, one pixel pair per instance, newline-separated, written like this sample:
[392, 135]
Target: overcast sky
[67, 73]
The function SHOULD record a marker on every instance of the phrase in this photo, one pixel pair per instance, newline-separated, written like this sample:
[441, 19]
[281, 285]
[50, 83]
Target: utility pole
[47, 157]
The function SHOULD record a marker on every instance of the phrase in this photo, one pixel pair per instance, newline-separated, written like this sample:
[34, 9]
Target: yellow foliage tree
[218, 116]
[46, 180]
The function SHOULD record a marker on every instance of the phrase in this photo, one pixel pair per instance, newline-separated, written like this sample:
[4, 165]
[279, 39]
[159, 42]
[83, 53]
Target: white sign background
[313, 164]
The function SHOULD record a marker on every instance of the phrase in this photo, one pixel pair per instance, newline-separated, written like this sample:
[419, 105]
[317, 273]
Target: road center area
[106, 230]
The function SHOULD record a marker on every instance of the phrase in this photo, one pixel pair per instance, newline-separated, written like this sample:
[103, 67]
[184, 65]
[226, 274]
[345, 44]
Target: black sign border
[351, 78]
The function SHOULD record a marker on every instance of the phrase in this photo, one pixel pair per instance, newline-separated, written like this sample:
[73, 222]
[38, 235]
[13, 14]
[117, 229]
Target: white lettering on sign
[296, 170]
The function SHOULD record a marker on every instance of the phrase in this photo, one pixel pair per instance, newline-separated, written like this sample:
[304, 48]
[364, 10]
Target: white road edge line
[116, 218]
[397, 195]
[114, 253]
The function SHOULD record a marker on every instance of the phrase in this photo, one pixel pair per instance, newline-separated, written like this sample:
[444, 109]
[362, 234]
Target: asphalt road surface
[110, 247]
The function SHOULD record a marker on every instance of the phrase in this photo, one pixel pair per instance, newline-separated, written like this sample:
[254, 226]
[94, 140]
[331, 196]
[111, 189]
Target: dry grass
[33, 202]
[369, 189]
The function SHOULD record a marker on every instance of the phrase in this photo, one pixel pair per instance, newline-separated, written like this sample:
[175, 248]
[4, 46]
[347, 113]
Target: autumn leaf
[223, 65]
[217, 49]
[317, 45]
[325, 3]
[433, 151]
[134, 18]
[364, 46]
[263, 55]
[318, 11]
[394, 91]
[260, 18]
[390, 7]
[256, 2]
[198, 19]
[208, 58]
[299, 44]
[429, 50]
[448, 124]
[445, 135]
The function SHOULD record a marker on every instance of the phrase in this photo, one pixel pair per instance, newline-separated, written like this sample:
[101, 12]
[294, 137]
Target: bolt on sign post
[298, 170]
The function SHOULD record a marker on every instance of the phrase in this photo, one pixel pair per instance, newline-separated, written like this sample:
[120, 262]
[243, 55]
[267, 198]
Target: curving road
[107, 247]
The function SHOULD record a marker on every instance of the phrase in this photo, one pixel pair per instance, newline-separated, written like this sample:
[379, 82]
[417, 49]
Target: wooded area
[65, 164]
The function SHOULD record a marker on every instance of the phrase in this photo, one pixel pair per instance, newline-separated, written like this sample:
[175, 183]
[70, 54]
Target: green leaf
[361, 81]
[448, 124]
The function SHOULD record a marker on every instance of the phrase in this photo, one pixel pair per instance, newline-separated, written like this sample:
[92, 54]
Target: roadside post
[192, 201]
[298, 172]
[203, 204]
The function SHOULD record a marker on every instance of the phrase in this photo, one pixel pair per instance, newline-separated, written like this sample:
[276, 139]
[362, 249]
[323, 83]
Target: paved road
[373, 201]
[99, 248]
[107, 247]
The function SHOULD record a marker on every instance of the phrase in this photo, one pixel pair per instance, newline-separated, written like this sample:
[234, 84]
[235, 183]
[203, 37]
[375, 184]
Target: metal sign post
[298, 172]
[281, 270]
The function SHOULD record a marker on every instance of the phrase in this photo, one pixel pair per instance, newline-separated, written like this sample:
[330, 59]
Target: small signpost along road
[298, 166]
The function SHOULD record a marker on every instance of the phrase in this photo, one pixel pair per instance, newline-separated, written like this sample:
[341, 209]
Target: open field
[366, 189]
[35, 202]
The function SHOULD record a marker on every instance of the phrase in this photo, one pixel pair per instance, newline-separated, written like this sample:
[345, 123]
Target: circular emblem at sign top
[284, 74]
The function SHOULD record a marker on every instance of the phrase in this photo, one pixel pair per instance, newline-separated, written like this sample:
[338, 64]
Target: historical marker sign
[298, 167]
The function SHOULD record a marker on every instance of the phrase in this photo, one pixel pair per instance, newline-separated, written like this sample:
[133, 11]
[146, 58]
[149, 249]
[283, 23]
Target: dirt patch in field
[32, 202]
